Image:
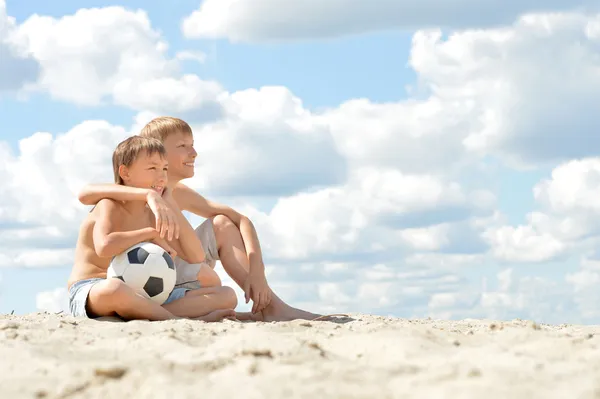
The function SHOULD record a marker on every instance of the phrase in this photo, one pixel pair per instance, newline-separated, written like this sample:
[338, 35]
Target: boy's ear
[123, 172]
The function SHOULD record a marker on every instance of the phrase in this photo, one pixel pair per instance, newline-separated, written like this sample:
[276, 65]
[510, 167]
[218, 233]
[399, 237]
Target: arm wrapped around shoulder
[109, 241]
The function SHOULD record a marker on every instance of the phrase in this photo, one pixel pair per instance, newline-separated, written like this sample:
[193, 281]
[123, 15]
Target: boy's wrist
[256, 266]
[152, 234]
[147, 193]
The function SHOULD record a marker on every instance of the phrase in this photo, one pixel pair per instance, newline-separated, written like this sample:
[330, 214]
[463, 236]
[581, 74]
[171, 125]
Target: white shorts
[187, 272]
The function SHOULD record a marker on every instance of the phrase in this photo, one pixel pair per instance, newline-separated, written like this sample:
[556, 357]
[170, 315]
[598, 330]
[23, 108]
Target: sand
[57, 356]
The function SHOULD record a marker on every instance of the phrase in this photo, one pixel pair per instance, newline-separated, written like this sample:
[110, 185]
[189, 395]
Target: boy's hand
[164, 245]
[257, 289]
[166, 222]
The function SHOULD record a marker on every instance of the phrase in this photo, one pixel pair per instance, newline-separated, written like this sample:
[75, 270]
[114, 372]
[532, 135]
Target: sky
[432, 159]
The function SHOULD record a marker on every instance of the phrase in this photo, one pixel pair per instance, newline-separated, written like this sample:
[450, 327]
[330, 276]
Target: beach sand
[57, 356]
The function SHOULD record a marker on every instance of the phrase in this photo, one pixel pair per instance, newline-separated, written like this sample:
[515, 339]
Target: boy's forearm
[190, 244]
[252, 245]
[93, 193]
[117, 242]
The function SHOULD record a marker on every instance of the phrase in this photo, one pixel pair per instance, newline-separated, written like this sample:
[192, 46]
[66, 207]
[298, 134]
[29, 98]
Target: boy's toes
[229, 314]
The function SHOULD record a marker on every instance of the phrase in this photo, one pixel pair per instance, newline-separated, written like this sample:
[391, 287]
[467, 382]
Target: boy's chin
[185, 174]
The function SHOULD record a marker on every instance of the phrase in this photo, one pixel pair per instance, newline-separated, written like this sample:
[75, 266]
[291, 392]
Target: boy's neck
[172, 183]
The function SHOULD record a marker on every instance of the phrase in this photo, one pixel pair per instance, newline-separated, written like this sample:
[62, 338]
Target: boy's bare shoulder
[107, 205]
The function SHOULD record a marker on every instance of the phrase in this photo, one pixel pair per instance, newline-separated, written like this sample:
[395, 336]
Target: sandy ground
[57, 356]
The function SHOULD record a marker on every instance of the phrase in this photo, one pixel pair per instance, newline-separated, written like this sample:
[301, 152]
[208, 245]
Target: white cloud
[486, 94]
[390, 287]
[414, 136]
[53, 301]
[530, 86]
[273, 20]
[50, 170]
[573, 187]
[266, 144]
[523, 244]
[584, 283]
[17, 66]
[566, 223]
[39, 210]
[83, 61]
[197, 56]
[376, 211]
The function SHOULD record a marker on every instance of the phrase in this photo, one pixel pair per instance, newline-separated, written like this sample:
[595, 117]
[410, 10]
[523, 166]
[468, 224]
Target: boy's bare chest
[136, 222]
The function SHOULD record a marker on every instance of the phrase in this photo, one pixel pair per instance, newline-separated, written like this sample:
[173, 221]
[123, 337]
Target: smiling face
[181, 155]
[148, 170]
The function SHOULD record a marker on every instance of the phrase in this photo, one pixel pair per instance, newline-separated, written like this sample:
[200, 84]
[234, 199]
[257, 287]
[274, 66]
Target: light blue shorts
[79, 292]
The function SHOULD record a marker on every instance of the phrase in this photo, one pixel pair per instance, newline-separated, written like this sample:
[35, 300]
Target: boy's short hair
[130, 149]
[162, 127]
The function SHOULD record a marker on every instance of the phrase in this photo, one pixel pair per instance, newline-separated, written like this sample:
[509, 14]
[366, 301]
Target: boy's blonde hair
[130, 149]
[162, 127]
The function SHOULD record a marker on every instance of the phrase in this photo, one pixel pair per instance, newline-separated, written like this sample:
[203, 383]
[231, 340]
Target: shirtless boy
[113, 226]
[226, 235]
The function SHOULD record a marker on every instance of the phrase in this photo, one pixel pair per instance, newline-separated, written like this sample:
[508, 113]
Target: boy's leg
[202, 301]
[222, 241]
[112, 296]
[195, 275]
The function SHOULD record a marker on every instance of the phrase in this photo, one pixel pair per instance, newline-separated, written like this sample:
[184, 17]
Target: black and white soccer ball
[147, 268]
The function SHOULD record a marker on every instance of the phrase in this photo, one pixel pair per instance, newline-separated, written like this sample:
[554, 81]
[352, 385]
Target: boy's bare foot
[277, 311]
[283, 312]
[217, 315]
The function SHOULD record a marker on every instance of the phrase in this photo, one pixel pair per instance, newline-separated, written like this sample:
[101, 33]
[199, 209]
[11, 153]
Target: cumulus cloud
[83, 61]
[267, 144]
[39, 210]
[273, 20]
[17, 67]
[391, 287]
[413, 135]
[374, 214]
[566, 221]
[531, 86]
[54, 301]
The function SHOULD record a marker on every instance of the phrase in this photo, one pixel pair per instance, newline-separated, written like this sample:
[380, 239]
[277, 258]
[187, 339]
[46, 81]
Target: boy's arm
[108, 241]
[191, 201]
[166, 222]
[188, 246]
[91, 194]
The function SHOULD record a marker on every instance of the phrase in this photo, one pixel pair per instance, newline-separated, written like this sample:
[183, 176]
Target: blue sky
[349, 76]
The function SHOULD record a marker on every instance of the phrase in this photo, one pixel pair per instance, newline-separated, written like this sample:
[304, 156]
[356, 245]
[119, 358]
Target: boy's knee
[207, 277]
[113, 288]
[221, 221]
[230, 300]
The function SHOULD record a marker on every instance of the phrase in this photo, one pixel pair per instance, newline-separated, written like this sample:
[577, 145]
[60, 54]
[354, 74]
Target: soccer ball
[147, 268]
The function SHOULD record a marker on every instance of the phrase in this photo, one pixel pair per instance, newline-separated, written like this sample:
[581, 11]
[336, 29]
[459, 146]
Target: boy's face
[147, 171]
[181, 155]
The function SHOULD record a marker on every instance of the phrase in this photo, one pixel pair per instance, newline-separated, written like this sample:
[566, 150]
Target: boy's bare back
[88, 264]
